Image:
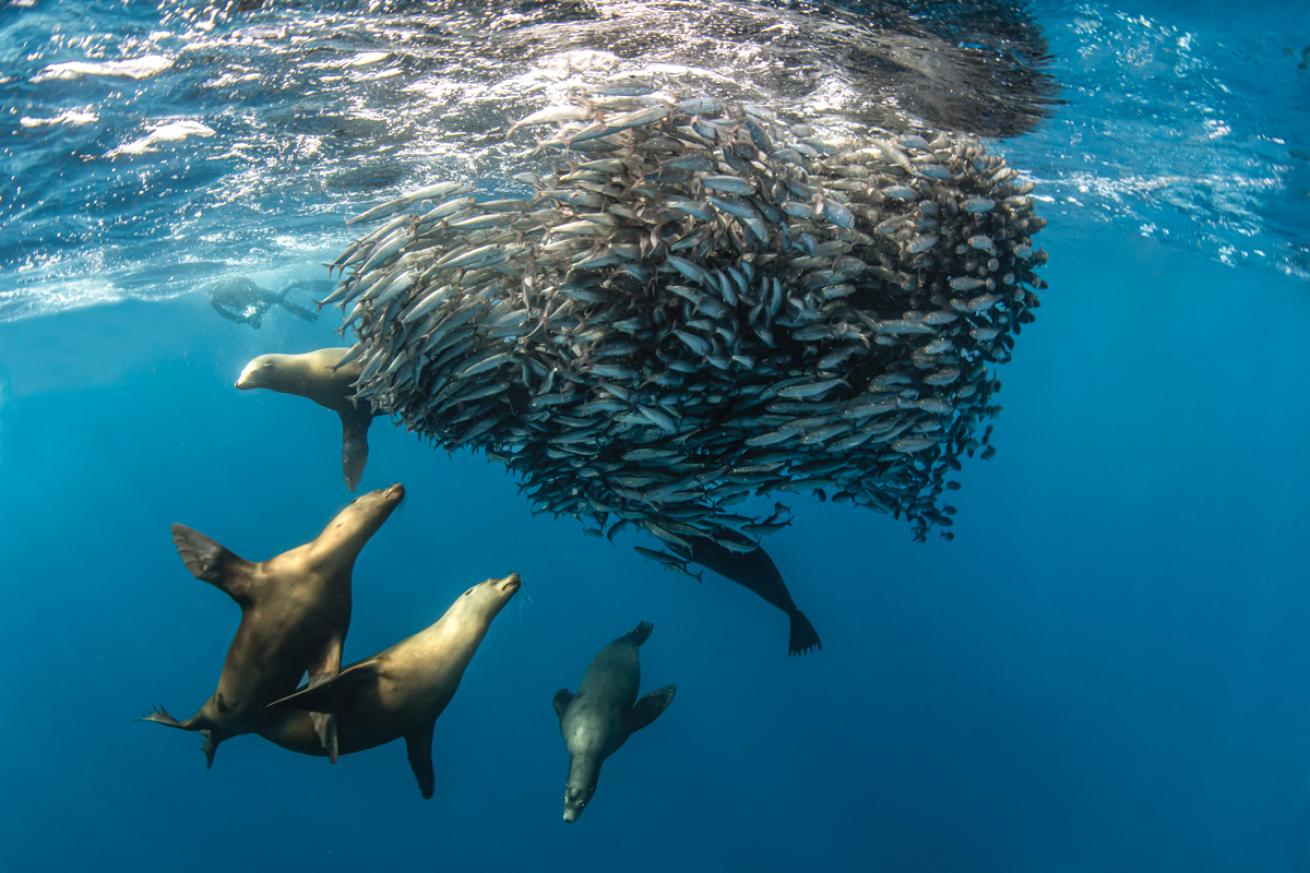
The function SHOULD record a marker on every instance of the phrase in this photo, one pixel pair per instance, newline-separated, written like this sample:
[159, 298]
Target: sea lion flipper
[332, 695]
[325, 723]
[803, 635]
[354, 445]
[418, 747]
[650, 707]
[209, 561]
[563, 698]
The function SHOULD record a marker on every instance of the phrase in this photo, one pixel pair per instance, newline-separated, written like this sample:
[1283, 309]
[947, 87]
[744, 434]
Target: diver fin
[331, 695]
[354, 445]
[803, 635]
[418, 747]
[648, 709]
[639, 634]
[563, 698]
[209, 561]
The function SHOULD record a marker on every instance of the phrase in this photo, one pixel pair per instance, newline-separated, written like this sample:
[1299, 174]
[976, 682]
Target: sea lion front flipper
[650, 707]
[332, 695]
[325, 723]
[418, 747]
[354, 445]
[563, 698]
[211, 562]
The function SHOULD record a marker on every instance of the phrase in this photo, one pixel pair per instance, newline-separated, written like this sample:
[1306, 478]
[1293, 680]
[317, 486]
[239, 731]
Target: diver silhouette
[242, 301]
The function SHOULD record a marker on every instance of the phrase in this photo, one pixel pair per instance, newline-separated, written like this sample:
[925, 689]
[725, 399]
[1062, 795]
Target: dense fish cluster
[698, 304]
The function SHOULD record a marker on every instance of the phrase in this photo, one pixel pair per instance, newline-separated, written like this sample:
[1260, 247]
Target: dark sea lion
[755, 571]
[598, 719]
[295, 610]
[397, 693]
[320, 376]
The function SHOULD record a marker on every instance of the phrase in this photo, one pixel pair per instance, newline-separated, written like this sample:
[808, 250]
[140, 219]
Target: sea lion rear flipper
[648, 709]
[803, 635]
[418, 746]
[563, 698]
[332, 695]
[354, 445]
[211, 562]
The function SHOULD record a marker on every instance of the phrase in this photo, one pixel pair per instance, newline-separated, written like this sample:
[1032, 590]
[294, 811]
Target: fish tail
[803, 635]
[640, 633]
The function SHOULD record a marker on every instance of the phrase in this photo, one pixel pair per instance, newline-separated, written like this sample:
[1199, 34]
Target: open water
[1106, 670]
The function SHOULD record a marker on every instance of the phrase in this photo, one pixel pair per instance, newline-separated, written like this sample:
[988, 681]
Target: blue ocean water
[1106, 670]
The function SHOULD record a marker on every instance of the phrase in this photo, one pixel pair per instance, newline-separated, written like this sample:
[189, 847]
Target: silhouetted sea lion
[295, 610]
[396, 693]
[755, 571]
[321, 377]
[598, 719]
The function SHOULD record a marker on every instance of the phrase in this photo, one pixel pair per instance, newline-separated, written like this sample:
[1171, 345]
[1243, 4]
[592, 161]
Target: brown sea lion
[295, 609]
[599, 719]
[397, 693]
[321, 377]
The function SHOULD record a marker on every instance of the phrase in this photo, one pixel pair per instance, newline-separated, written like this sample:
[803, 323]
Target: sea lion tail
[803, 635]
[640, 633]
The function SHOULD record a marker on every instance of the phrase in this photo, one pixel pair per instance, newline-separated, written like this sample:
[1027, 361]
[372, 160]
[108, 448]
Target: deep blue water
[1107, 670]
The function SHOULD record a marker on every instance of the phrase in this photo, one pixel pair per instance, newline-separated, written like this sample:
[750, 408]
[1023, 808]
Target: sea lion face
[488, 598]
[353, 525]
[576, 798]
[261, 372]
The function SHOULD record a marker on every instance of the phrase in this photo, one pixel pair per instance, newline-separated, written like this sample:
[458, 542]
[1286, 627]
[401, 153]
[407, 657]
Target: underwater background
[1106, 670]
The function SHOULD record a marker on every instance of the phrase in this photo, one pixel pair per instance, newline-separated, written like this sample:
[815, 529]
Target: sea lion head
[488, 598]
[354, 525]
[576, 796]
[261, 372]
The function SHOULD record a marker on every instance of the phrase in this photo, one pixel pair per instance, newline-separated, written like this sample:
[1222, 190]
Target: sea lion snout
[511, 583]
[252, 372]
[395, 492]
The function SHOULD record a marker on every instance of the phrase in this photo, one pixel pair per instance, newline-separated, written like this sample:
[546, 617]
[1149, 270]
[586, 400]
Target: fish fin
[563, 698]
[331, 695]
[640, 633]
[418, 748]
[354, 445]
[213, 563]
[649, 708]
[803, 635]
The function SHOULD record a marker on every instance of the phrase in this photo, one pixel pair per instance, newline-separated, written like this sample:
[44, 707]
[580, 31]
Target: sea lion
[295, 609]
[598, 719]
[320, 376]
[755, 571]
[399, 692]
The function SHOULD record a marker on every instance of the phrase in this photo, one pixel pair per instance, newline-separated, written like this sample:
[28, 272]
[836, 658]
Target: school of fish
[699, 303]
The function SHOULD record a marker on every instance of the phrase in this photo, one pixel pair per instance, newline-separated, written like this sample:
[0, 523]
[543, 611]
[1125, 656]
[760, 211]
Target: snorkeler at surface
[242, 301]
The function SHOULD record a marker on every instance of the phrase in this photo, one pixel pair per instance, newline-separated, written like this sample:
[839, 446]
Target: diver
[242, 301]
